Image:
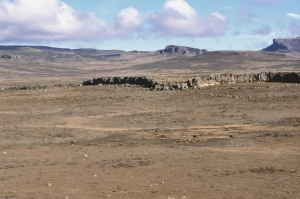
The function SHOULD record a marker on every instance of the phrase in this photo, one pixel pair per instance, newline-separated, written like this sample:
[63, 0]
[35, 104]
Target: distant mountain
[182, 50]
[36, 62]
[284, 46]
[222, 61]
[48, 55]
[46, 52]
[53, 49]
[48, 64]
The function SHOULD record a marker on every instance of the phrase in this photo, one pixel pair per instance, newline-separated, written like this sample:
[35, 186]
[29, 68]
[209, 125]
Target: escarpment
[199, 81]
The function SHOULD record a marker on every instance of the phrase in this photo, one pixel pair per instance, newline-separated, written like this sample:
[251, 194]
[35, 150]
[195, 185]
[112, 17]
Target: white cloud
[178, 18]
[36, 21]
[128, 18]
[296, 16]
[53, 20]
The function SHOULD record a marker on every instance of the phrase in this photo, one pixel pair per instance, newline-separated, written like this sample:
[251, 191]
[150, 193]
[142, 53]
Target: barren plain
[223, 141]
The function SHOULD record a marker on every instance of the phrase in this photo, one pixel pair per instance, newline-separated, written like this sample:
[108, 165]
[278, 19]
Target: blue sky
[148, 25]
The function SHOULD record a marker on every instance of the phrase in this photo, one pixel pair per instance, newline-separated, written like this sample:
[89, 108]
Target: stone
[183, 86]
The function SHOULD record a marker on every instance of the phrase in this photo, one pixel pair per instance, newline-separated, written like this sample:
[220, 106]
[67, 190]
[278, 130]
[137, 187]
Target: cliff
[284, 46]
[183, 50]
[199, 81]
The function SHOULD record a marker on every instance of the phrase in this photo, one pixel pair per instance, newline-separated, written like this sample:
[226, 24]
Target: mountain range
[48, 64]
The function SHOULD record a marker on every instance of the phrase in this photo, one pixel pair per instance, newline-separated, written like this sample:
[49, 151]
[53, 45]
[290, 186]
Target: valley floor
[224, 141]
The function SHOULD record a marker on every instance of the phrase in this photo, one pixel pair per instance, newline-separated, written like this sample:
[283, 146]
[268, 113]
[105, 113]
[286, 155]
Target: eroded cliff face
[284, 46]
[183, 50]
[199, 81]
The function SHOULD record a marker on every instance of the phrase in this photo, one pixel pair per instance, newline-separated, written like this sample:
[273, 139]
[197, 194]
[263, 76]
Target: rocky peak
[284, 46]
[173, 49]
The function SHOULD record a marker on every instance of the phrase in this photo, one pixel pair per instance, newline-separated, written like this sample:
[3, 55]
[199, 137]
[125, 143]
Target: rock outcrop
[199, 81]
[173, 49]
[6, 56]
[284, 46]
[37, 87]
[173, 83]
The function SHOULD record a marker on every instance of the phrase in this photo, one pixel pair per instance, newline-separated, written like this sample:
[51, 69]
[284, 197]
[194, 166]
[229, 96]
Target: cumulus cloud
[263, 30]
[128, 18]
[127, 21]
[53, 20]
[296, 16]
[178, 18]
[34, 21]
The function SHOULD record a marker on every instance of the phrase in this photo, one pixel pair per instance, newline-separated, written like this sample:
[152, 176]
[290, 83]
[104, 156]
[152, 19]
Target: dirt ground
[225, 141]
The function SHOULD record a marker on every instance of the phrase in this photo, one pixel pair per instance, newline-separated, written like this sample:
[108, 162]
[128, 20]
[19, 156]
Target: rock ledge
[199, 81]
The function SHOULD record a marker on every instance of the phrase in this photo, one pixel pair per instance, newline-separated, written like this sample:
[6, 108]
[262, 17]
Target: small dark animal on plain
[72, 142]
[195, 136]
[231, 136]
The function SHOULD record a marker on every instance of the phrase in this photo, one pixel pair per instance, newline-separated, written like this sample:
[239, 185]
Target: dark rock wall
[199, 81]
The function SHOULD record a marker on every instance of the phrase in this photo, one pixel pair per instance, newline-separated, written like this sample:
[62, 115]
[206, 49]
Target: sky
[148, 25]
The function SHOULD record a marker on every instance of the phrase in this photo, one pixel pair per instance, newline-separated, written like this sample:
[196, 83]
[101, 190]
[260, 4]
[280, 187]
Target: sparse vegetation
[61, 139]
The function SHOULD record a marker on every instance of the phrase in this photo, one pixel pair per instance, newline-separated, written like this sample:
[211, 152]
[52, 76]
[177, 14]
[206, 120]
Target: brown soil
[224, 141]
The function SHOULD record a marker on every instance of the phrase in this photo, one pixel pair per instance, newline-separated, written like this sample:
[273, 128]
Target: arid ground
[225, 141]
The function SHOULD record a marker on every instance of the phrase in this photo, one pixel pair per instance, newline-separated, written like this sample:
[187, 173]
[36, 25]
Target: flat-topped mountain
[182, 50]
[288, 46]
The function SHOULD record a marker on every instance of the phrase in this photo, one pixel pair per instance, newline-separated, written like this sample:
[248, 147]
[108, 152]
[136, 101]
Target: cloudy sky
[148, 25]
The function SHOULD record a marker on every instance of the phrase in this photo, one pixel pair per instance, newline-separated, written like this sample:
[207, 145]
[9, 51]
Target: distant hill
[53, 49]
[223, 61]
[287, 46]
[29, 54]
[48, 64]
[182, 50]
[36, 62]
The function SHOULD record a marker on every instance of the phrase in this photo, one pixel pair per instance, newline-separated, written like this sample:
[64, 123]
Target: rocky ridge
[174, 83]
[284, 46]
[199, 81]
[183, 50]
